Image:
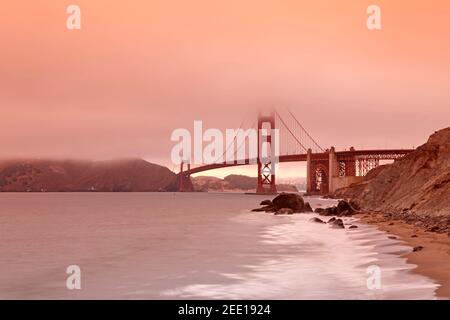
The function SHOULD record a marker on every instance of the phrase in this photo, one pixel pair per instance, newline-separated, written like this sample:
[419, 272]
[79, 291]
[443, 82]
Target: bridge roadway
[386, 154]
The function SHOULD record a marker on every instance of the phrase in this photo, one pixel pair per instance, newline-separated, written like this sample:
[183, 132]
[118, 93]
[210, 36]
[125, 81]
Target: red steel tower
[266, 165]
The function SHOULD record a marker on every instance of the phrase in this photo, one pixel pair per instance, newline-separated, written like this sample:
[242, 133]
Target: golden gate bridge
[326, 169]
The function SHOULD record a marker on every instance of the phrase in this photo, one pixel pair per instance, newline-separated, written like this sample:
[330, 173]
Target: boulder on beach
[331, 211]
[283, 211]
[266, 208]
[342, 209]
[289, 200]
[317, 220]
[284, 200]
[307, 207]
[338, 223]
[266, 203]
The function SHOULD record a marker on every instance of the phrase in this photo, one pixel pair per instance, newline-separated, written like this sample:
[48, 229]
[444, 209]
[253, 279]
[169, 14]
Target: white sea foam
[307, 260]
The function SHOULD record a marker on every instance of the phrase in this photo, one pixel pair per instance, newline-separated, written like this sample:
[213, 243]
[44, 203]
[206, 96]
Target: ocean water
[191, 246]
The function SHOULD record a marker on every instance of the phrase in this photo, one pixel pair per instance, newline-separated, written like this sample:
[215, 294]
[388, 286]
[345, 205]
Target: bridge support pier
[184, 180]
[309, 172]
[333, 170]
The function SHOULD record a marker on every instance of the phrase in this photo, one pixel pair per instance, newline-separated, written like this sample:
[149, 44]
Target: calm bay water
[190, 246]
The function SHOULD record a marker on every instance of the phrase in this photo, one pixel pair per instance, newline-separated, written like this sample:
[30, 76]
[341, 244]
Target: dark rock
[269, 208]
[344, 213]
[307, 207]
[343, 208]
[328, 212]
[354, 204]
[319, 210]
[266, 203]
[353, 227]
[331, 220]
[338, 223]
[265, 209]
[414, 236]
[434, 228]
[418, 248]
[392, 237]
[391, 224]
[283, 211]
[289, 200]
[317, 220]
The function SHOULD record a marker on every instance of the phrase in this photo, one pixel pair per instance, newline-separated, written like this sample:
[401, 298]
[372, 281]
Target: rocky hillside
[55, 176]
[417, 184]
[232, 183]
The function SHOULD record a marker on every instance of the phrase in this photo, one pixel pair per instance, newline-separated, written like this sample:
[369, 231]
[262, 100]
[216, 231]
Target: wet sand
[432, 261]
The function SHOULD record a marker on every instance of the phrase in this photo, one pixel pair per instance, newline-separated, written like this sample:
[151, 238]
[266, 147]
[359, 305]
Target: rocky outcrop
[284, 211]
[289, 200]
[290, 203]
[428, 222]
[317, 220]
[284, 201]
[337, 223]
[342, 209]
[307, 207]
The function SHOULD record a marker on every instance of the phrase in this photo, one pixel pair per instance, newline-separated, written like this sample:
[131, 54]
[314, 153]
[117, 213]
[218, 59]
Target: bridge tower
[266, 167]
[184, 180]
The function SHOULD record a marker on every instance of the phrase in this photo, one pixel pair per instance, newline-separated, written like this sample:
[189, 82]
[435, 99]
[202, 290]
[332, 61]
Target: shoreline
[432, 261]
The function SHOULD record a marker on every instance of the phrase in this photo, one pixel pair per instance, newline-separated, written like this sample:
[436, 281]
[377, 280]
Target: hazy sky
[139, 69]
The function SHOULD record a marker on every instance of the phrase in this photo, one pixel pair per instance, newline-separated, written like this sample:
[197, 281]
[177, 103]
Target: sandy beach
[433, 260]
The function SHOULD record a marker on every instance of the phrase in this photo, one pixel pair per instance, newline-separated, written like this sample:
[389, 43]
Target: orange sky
[139, 69]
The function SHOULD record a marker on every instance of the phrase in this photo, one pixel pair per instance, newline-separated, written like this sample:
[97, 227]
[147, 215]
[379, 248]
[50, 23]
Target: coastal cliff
[415, 188]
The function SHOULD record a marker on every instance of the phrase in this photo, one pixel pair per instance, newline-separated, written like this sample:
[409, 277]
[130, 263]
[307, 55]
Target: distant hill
[232, 183]
[71, 175]
[236, 181]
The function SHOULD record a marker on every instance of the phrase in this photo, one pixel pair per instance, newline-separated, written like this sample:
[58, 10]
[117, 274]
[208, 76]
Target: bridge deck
[387, 154]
